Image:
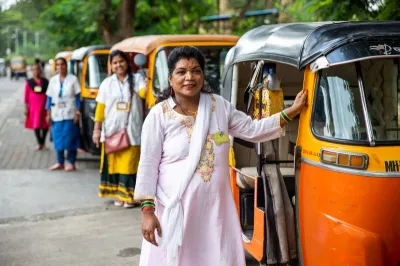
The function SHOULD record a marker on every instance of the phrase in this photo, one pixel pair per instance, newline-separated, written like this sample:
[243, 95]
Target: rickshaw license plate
[220, 137]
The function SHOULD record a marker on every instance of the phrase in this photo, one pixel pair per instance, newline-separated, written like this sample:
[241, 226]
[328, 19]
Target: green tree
[344, 10]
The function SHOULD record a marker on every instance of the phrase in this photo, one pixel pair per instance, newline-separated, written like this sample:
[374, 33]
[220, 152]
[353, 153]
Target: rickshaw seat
[245, 176]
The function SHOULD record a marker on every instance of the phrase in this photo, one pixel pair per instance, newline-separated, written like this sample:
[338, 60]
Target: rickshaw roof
[63, 54]
[146, 44]
[299, 44]
[20, 58]
[80, 53]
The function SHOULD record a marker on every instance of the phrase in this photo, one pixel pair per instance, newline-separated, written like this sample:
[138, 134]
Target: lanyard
[121, 89]
[61, 89]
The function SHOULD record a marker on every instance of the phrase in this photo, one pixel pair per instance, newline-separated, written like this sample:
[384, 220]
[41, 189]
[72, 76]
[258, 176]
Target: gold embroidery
[206, 165]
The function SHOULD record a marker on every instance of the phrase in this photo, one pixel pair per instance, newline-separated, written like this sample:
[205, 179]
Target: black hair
[178, 53]
[62, 59]
[129, 70]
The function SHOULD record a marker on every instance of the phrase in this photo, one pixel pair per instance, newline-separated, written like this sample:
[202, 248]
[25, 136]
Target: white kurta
[212, 233]
[67, 100]
[111, 92]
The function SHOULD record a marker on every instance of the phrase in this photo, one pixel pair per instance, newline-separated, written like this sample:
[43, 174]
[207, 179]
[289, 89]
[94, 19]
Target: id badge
[62, 105]
[122, 106]
[220, 137]
[37, 89]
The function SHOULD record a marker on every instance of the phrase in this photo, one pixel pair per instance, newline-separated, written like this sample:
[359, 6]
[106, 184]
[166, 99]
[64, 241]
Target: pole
[16, 41]
[37, 40]
[25, 33]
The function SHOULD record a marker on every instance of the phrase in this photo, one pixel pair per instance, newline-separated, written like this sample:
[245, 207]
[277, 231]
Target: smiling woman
[119, 116]
[184, 164]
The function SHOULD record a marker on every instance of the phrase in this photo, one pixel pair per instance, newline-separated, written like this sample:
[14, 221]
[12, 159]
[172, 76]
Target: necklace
[184, 110]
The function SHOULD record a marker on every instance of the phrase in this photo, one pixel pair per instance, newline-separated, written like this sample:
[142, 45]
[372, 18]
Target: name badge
[220, 137]
[62, 105]
[37, 89]
[122, 106]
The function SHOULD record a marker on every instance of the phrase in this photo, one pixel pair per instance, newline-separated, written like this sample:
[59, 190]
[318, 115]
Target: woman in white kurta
[202, 220]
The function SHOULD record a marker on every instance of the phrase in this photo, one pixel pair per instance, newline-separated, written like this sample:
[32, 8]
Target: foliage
[70, 24]
[344, 10]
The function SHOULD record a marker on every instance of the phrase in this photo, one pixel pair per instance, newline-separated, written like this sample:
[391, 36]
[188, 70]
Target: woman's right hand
[48, 119]
[149, 224]
[96, 138]
[26, 111]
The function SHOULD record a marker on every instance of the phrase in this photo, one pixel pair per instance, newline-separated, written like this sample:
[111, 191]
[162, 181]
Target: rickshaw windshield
[342, 110]
[215, 58]
[97, 70]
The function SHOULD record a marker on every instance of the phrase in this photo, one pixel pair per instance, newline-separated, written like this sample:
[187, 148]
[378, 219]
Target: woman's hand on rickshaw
[149, 224]
[96, 137]
[298, 104]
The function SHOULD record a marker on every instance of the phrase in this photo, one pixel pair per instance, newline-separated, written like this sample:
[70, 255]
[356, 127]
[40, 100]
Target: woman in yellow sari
[119, 107]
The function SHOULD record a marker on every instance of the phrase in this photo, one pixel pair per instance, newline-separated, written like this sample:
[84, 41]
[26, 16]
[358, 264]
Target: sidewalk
[109, 238]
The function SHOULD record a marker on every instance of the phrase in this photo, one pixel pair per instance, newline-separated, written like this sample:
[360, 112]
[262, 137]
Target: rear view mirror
[140, 60]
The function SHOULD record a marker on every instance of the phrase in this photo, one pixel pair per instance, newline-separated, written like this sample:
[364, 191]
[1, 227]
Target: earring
[171, 92]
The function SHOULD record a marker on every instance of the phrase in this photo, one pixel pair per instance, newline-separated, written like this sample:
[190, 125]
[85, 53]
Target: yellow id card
[37, 89]
[220, 137]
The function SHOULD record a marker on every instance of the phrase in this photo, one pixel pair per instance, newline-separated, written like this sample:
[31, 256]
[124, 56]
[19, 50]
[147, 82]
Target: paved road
[49, 218]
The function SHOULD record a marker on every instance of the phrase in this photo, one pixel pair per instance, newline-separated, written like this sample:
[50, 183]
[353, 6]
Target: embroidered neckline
[207, 160]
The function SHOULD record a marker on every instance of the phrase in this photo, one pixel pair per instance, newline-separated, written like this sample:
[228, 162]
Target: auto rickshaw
[89, 64]
[326, 192]
[18, 67]
[63, 54]
[157, 48]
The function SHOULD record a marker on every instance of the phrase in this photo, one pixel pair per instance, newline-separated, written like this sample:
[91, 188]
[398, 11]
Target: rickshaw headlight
[344, 159]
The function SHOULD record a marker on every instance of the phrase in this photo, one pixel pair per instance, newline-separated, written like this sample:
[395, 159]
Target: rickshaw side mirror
[140, 60]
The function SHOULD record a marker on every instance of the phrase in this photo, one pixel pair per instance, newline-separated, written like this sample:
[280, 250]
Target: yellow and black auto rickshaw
[18, 67]
[89, 64]
[327, 192]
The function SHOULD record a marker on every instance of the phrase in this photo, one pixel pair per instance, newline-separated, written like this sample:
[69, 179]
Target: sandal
[70, 168]
[118, 203]
[56, 167]
[129, 205]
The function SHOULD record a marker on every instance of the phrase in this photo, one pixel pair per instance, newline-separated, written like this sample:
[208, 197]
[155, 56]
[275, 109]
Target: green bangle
[285, 117]
[147, 203]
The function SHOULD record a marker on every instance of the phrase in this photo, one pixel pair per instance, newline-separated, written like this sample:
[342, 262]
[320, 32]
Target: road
[55, 218]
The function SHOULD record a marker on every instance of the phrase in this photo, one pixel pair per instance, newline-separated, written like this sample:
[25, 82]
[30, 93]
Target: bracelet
[96, 131]
[148, 208]
[285, 117]
[147, 203]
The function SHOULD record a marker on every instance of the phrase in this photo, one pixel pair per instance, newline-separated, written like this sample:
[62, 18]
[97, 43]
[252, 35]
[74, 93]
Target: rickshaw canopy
[146, 44]
[64, 54]
[80, 53]
[299, 44]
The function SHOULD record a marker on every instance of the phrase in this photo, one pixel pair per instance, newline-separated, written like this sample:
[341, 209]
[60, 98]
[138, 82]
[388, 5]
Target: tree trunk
[182, 17]
[245, 8]
[127, 18]
[283, 14]
[105, 24]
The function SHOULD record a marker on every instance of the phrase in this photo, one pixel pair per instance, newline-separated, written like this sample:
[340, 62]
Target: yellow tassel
[232, 161]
